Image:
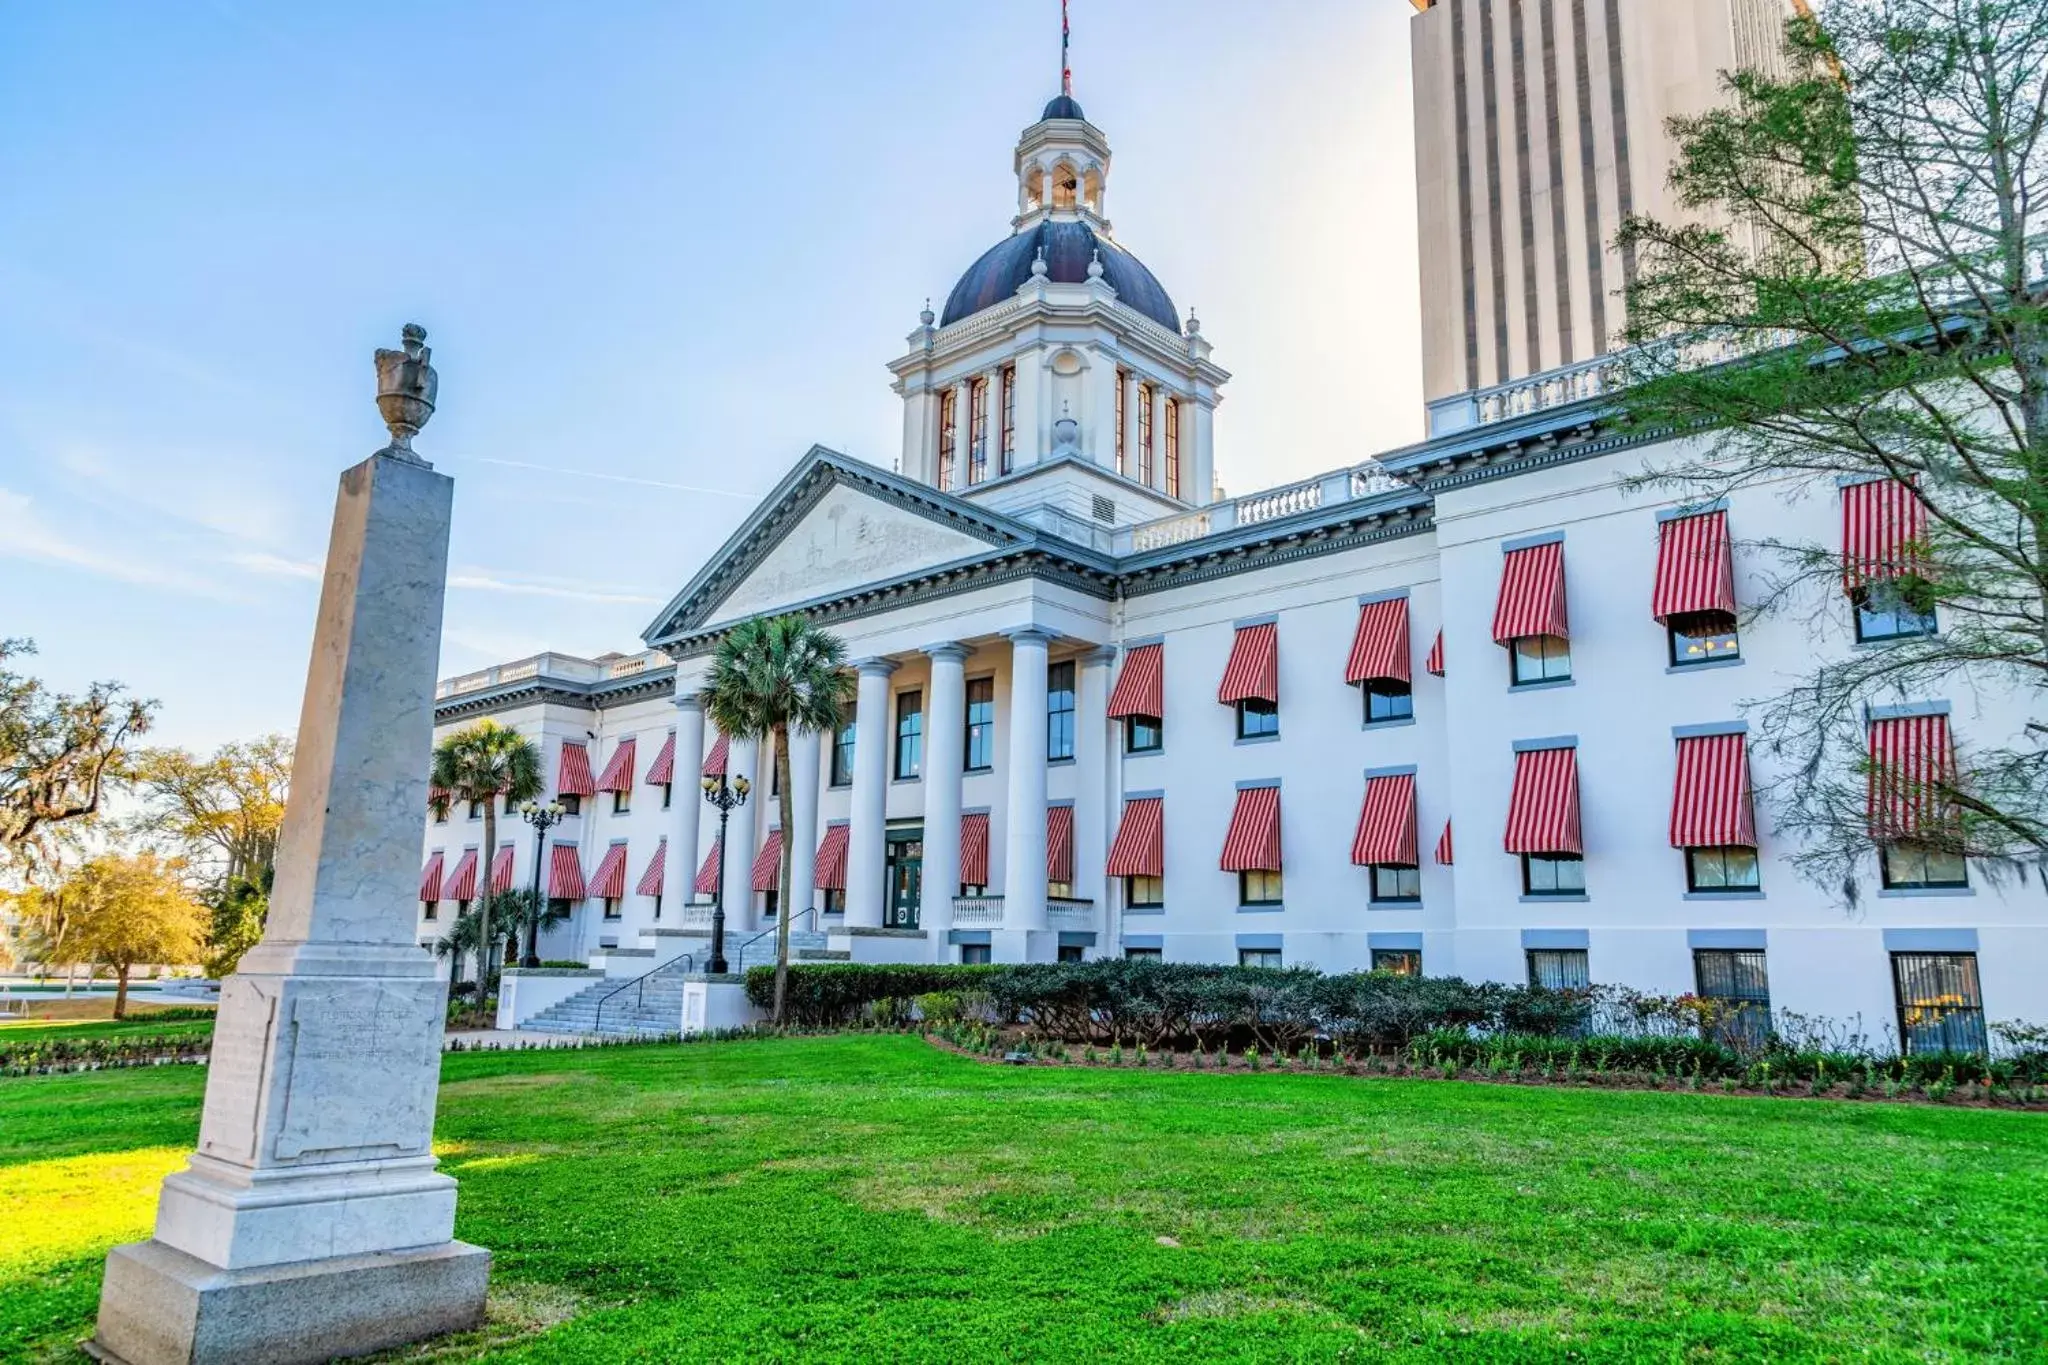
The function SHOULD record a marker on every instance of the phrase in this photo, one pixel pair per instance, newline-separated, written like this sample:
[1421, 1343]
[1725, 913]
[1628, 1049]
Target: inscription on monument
[375, 1050]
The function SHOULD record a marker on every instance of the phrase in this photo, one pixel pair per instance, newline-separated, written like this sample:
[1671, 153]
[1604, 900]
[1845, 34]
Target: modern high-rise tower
[1539, 125]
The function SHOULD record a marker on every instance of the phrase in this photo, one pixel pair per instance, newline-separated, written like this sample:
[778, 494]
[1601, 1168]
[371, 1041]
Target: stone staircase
[655, 1007]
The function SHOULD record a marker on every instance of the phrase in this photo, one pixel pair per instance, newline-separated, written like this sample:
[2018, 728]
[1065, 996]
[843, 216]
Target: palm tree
[522, 912]
[480, 763]
[461, 938]
[771, 677]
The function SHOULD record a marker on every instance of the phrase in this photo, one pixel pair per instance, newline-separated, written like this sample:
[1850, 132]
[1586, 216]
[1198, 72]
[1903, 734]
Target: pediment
[832, 527]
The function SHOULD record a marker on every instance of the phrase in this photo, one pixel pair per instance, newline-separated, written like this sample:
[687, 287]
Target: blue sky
[661, 248]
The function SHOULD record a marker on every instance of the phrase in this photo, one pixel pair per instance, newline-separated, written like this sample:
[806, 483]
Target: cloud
[611, 478]
[25, 535]
[485, 580]
[275, 566]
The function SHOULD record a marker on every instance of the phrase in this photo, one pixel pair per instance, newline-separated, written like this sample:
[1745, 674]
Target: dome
[1063, 106]
[1069, 246]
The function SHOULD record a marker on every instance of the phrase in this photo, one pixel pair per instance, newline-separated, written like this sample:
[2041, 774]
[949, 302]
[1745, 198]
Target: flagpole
[1066, 71]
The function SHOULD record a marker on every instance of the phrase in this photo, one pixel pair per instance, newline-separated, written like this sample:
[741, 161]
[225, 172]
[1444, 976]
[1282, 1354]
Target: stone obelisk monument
[311, 1222]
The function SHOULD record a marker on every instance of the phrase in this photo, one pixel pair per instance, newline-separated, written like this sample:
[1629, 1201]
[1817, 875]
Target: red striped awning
[461, 884]
[573, 777]
[1443, 845]
[707, 871]
[1140, 847]
[1710, 804]
[501, 870]
[831, 865]
[1386, 824]
[1253, 843]
[565, 873]
[1254, 667]
[1531, 594]
[714, 762]
[1912, 770]
[1379, 648]
[1140, 684]
[657, 868]
[1059, 843]
[974, 849]
[1435, 662]
[609, 881]
[663, 773]
[430, 879]
[618, 774]
[768, 862]
[439, 797]
[1694, 569]
[1543, 812]
[1883, 524]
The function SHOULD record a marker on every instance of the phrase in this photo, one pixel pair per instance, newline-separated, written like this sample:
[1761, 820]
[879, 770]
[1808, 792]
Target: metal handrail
[809, 912]
[639, 987]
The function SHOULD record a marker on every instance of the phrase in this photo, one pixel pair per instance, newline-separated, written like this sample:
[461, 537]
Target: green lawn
[79, 1030]
[873, 1199]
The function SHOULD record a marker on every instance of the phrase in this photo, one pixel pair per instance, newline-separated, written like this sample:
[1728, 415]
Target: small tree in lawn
[462, 938]
[772, 678]
[130, 909]
[1886, 281]
[481, 763]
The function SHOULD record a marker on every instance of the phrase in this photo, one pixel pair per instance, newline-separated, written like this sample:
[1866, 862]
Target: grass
[871, 1198]
[142, 1022]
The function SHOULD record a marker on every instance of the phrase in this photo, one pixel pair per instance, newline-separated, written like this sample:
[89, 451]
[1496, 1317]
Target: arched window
[1172, 447]
[945, 439]
[977, 430]
[1009, 439]
[1066, 186]
[1034, 189]
[1145, 434]
[1091, 190]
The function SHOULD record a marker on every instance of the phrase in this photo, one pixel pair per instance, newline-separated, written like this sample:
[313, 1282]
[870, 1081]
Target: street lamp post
[543, 819]
[726, 799]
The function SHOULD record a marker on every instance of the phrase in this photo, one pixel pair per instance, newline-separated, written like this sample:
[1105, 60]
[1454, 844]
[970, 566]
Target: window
[909, 734]
[981, 724]
[1393, 884]
[668, 793]
[1145, 434]
[974, 888]
[622, 801]
[1059, 711]
[1009, 455]
[946, 419]
[461, 909]
[657, 905]
[835, 900]
[842, 756]
[1143, 955]
[1736, 982]
[1258, 888]
[1733, 868]
[476, 810]
[611, 907]
[1917, 867]
[1699, 637]
[1540, 658]
[977, 431]
[440, 815]
[1070, 952]
[1172, 448]
[974, 955]
[1258, 957]
[774, 776]
[1559, 969]
[1059, 891]
[1143, 735]
[1387, 699]
[1144, 893]
[572, 804]
[1123, 458]
[430, 909]
[1257, 718]
[558, 907]
[1883, 613]
[1553, 874]
[769, 900]
[1941, 1008]
[1398, 961]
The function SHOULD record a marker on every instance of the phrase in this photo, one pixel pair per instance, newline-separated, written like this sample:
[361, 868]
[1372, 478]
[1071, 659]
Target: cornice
[1307, 538]
[588, 696]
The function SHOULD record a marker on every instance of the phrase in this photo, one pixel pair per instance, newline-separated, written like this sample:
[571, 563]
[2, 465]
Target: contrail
[612, 478]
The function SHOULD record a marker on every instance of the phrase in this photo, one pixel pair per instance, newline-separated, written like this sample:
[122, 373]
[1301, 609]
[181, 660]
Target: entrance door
[906, 878]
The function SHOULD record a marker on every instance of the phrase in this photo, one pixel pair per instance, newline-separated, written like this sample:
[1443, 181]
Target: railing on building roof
[1365, 480]
[566, 667]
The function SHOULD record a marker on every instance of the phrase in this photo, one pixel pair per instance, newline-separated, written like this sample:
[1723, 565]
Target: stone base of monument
[163, 1307]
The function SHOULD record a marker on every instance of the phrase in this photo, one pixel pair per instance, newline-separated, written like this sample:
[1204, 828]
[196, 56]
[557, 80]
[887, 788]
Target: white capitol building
[1467, 708]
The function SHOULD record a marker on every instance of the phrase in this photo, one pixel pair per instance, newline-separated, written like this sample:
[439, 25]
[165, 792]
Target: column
[1095, 793]
[866, 849]
[736, 879]
[803, 835]
[1024, 819]
[686, 805]
[916, 457]
[1202, 469]
[1132, 427]
[945, 755]
[1030, 426]
[963, 423]
[1159, 398]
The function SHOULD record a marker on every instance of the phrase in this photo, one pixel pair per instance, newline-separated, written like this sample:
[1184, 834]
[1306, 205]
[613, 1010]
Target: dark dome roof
[1069, 246]
[1063, 106]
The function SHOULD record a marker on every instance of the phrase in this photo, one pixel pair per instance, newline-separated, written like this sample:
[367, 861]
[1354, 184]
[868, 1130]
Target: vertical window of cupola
[945, 470]
[1066, 186]
[1172, 448]
[1009, 440]
[1145, 434]
[977, 432]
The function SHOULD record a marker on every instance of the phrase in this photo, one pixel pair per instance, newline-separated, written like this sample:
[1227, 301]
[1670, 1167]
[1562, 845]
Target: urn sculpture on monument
[311, 1222]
